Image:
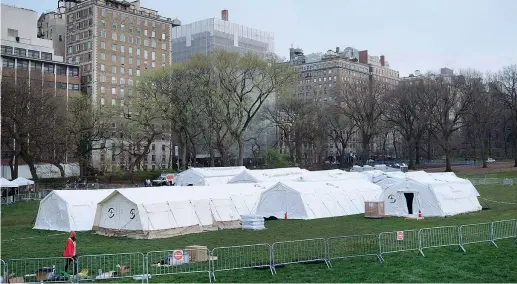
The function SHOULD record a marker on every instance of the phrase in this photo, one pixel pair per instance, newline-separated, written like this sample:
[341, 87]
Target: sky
[423, 35]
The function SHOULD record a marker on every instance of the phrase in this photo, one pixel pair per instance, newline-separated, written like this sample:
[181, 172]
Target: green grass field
[482, 262]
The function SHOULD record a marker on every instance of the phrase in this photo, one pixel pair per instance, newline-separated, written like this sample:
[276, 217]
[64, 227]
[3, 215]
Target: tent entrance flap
[409, 201]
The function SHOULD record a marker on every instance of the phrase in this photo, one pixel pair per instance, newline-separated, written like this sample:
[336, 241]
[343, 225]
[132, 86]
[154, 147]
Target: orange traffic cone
[285, 216]
[420, 215]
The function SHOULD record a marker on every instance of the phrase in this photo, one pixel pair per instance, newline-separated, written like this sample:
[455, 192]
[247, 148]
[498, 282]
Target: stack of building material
[252, 222]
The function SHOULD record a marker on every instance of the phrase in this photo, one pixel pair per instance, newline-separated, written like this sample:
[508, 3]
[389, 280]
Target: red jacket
[69, 248]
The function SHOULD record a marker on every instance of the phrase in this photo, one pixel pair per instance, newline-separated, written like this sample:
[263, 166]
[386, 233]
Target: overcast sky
[423, 35]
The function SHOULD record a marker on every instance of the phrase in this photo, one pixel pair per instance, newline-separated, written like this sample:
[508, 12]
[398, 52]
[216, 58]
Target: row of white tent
[21, 181]
[169, 211]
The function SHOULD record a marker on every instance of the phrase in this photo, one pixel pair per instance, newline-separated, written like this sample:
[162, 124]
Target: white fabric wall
[271, 175]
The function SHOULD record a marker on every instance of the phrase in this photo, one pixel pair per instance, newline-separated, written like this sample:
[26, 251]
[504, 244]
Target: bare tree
[363, 103]
[406, 113]
[246, 82]
[32, 115]
[506, 90]
[340, 128]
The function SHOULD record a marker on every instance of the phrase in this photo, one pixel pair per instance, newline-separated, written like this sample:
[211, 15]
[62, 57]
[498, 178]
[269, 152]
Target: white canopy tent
[405, 197]
[451, 177]
[330, 175]
[313, 200]
[271, 175]
[200, 176]
[69, 210]
[169, 211]
[6, 183]
[21, 181]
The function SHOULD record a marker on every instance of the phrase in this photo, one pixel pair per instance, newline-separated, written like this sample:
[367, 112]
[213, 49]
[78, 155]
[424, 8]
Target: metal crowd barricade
[4, 272]
[300, 251]
[439, 237]
[504, 229]
[398, 241]
[49, 270]
[241, 257]
[476, 233]
[111, 266]
[179, 261]
[508, 181]
[353, 246]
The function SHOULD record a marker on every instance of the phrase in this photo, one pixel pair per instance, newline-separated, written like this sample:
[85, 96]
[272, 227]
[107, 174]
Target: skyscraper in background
[213, 34]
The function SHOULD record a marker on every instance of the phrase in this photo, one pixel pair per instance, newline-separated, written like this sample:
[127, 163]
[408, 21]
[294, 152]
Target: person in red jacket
[71, 253]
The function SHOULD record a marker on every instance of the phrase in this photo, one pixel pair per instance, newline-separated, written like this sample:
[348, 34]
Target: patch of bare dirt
[497, 167]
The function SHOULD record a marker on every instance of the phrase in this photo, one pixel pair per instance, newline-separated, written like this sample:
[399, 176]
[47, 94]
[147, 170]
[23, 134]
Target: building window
[102, 67]
[163, 57]
[164, 46]
[74, 71]
[122, 48]
[163, 36]
[122, 71]
[114, 36]
[33, 54]
[153, 55]
[46, 55]
[145, 54]
[122, 59]
[36, 66]
[137, 72]
[113, 91]
[103, 90]
[23, 64]
[20, 51]
[122, 38]
[103, 56]
[122, 81]
[12, 32]
[113, 58]
[61, 70]
[113, 47]
[7, 49]
[114, 69]
[102, 103]
[50, 84]
[130, 72]
[49, 69]
[138, 52]
[113, 80]
[113, 102]
[130, 50]
[103, 45]
[103, 12]
[61, 85]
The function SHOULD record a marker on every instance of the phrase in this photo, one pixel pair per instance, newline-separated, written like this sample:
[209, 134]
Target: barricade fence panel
[299, 251]
[398, 241]
[439, 237]
[240, 257]
[476, 233]
[111, 266]
[353, 246]
[504, 229]
[52, 269]
[194, 259]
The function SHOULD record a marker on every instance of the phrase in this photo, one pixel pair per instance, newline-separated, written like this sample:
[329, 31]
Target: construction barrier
[505, 229]
[111, 266]
[194, 259]
[300, 251]
[439, 237]
[398, 241]
[353, 246]
[241, 257]
[52, 269]
[476, 233]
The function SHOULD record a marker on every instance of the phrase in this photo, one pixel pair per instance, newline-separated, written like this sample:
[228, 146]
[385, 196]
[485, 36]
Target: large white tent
[405, 197]
[170, 211]
[313, 200]
[69, 210]
[270, 175]
[207, 176]
[330, 175]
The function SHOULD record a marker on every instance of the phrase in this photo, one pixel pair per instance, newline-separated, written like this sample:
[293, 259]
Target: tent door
[409, 201]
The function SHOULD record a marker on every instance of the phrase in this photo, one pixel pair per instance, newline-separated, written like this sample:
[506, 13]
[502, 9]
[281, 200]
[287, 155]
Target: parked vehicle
[164, 179]
[490, 160]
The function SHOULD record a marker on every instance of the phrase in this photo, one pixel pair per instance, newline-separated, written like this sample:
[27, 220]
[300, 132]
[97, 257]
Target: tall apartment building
[24, 56]
[320, 72]
[214, 34]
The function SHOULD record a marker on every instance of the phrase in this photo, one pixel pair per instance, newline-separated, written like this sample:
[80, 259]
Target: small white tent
[330, 175]
[69, 210]
[270, 175]
[313, 200]
[169, 211]
[6, 183]
[207, 176]
[451, 177]
[21, 181]
[405, 197]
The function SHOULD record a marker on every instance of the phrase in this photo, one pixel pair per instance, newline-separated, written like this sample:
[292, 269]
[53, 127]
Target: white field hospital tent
[169, 211]
[207, 176]
[330, 175]
[313, 200]
[69, 210]
[270, 175]
[434, 198]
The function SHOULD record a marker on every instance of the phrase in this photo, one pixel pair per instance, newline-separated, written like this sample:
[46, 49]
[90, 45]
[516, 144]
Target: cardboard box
[197, 253]
[123, 269]
[16, 280]
[374, 209]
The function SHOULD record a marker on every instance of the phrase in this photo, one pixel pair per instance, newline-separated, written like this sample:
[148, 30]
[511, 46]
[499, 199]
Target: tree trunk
[13, 165]
[448, 167]
[411, 163]
[32, 168]
[212, 158]
[365, 149]
[515, 153]
[417, 152]
[61, 169]
[240, 159]
[482, 148]
[183, 153]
